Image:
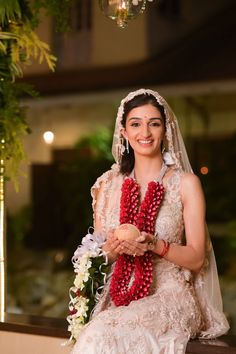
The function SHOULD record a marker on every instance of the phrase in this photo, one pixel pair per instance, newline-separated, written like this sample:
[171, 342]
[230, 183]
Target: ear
[123, 132]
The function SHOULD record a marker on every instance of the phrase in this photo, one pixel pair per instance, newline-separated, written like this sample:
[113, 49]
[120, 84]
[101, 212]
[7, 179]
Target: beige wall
[20, 343]
[71, 117]
[112, 45]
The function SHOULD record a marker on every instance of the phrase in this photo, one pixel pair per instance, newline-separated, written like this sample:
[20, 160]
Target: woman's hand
[146, 237]
[111, 246]
[132, 248]
[136, 247]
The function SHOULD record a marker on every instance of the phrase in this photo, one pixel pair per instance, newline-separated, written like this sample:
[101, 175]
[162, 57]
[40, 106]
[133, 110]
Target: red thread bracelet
[165, 248]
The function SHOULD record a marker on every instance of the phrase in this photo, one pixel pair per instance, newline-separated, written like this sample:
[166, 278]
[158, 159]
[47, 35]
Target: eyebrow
[153, 118]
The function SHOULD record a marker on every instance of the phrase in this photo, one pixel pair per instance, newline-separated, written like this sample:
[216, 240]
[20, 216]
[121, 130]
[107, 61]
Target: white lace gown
[162, 322]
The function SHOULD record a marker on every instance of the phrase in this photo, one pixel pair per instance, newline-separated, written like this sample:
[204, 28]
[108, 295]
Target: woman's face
[145, 130]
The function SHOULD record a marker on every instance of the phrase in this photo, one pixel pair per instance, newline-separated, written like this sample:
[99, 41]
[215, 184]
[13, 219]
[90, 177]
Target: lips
[145, 142]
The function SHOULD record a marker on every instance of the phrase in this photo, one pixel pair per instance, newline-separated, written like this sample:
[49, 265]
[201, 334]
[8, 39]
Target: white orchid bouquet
[91, 268]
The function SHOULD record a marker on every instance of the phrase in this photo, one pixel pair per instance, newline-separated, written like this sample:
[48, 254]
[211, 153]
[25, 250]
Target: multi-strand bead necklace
[121, 291]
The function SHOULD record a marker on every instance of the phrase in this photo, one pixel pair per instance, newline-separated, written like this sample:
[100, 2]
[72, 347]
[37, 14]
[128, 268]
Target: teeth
[145, 141]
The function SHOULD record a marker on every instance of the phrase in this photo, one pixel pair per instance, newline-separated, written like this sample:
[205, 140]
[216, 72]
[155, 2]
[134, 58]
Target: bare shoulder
[190, 186]
[190, 179]
[186, 178]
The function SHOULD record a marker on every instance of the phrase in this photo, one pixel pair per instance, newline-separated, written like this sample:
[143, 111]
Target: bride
[163, 288]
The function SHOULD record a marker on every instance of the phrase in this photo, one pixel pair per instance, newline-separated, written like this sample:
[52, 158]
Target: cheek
[129, 133]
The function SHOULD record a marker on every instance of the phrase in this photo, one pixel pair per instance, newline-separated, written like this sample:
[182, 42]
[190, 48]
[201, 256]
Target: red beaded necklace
[144, 218]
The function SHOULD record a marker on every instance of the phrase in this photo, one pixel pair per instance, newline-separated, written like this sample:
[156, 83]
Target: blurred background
[184, 49]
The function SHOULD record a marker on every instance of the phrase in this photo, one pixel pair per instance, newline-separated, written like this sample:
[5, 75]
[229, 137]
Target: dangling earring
[127, 145]
[162, 147]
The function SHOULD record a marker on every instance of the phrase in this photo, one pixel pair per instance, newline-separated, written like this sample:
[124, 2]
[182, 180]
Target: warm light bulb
[204, 170]
[122, 11]
[48, 137]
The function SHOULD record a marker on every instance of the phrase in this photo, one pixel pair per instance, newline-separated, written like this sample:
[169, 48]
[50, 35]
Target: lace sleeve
[100, 196]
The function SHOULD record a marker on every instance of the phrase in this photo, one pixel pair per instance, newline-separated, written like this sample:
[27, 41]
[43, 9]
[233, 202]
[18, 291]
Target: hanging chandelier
[122, 11]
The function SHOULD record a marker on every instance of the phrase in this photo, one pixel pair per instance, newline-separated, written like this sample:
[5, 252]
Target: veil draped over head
[206, 282]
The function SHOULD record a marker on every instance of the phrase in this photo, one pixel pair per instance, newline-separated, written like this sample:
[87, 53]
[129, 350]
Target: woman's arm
[111, 244]
[192, 255]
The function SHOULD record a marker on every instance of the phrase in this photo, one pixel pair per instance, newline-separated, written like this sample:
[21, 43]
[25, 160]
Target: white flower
[85, 261]
[80, 279]
[75, 327]
[81, 306]
[82, 261]
[91, 243]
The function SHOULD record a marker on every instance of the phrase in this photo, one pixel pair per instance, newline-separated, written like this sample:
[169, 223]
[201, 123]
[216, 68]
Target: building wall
[112, 45]
[74, 116]
[106, 44]
[170, 21]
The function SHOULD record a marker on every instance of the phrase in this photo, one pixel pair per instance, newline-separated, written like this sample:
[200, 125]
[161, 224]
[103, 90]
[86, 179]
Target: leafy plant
[19, 45]
[59, 10]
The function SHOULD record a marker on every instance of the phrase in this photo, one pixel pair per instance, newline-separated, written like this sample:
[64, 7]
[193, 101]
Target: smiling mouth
[145, 142]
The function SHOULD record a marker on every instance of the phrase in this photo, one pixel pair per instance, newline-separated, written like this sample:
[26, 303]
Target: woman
[179, 297]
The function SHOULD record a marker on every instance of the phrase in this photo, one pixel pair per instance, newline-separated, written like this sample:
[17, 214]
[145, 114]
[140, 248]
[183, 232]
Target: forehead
[145, 111]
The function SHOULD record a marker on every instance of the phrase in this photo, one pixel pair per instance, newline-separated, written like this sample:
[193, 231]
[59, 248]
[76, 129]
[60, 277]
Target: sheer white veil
[206, 282]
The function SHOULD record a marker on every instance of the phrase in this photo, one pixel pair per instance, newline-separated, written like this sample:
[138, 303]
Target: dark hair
[127, 159]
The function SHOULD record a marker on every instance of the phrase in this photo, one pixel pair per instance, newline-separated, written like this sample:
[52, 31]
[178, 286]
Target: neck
[146, 170]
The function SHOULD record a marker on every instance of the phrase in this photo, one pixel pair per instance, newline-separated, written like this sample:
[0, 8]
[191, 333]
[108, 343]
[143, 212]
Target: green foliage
[19, 45]
[18, 226]
[13, 127]
[98, 144]
[10, 10]
[21, 10]
[59, 10]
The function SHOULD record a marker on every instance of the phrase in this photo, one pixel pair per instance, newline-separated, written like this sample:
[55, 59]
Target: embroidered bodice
[169, 223]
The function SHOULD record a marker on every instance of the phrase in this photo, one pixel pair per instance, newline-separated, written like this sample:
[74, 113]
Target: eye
[135, 124]
[155, 124]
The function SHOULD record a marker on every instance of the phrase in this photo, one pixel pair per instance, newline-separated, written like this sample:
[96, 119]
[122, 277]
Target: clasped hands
[114, 247]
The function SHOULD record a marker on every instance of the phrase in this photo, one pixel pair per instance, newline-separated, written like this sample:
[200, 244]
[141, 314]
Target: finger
[132, 250]
[110, 235]
[148, 237]
[141, 238]
[120, 249]
[141, 248]
[134, 245]
[115, 244]
[111, 245]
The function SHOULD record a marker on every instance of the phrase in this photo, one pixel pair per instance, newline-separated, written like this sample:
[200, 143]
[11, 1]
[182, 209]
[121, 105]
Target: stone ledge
[45, 326]
[222, 345]
[57, 327]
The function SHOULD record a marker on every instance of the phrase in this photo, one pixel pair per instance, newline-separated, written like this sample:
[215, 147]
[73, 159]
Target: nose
[146, 130]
